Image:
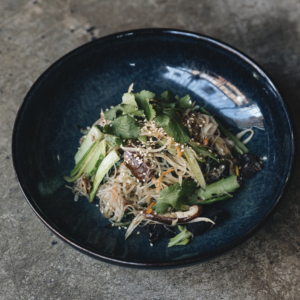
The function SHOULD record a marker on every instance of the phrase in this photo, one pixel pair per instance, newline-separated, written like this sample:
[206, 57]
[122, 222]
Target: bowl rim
[174, 263]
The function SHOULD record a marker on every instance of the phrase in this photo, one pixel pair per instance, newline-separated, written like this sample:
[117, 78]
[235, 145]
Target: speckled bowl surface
[72, 91]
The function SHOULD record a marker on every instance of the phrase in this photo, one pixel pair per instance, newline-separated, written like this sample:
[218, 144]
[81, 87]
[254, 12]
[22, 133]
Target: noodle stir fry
[157, 163]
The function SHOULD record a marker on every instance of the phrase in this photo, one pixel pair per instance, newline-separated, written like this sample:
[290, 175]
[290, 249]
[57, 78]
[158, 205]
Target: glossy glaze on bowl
[72, 91]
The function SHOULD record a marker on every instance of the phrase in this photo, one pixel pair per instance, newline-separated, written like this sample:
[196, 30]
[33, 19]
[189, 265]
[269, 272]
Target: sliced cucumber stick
[104, 167]
[83, 159]
[195, 167]
[97, 158]
[94, 135]
[84, 163]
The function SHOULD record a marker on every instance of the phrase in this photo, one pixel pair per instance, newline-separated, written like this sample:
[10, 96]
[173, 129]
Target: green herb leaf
[175, 129]
[162, 120]
[124, 127]
[128, 108]
[175, 195]
[113, 113]
[138, 113]
[185, 102]
[167, 100]
[128, 98]
[113, 140]
[193, 200]
[168, 97]
[142, 99]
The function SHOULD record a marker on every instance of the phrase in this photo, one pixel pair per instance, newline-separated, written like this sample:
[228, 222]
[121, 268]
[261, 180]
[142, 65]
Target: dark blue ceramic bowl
[72, 91]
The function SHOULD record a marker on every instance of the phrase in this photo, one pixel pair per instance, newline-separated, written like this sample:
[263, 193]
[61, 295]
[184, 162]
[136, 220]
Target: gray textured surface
[34, 264]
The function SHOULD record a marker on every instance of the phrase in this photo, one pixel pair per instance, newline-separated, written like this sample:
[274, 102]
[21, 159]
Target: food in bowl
[158, 162]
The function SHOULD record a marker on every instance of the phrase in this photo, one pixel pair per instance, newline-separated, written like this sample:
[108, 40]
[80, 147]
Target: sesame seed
[138, 233]
[151, 244]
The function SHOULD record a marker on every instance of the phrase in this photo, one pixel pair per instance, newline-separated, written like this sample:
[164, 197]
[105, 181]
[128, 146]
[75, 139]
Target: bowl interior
[95, 76]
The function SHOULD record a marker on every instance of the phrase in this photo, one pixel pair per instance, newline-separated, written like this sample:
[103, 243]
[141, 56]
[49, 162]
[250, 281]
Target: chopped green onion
[180, 239]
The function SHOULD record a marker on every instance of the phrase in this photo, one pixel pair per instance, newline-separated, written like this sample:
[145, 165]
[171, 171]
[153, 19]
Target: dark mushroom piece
[181, 216]
[250, 165]
[137, 166]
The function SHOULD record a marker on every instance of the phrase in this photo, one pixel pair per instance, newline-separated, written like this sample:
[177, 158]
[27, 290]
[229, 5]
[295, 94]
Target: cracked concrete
[34, 264]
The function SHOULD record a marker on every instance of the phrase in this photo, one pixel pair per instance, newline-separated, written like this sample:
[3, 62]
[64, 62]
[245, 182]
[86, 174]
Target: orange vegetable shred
[148, 211]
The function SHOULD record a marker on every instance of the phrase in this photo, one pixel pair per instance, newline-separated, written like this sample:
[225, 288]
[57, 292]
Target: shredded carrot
[159, 180]
[206, 141]
[148, 211]
[179, 151]
[237, 172]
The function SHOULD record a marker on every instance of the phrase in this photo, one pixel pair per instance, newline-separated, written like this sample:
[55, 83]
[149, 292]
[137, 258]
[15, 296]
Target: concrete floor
[34, 264]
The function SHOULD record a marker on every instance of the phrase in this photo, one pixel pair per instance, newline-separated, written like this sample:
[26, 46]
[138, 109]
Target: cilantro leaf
[188, 188]
[168, 97]
[162, 120]
[113, 140]
[128, 98]
[167, 100]
[129, 104]
[168, 196]
[113, 113]
[193, 200]
[175, 129]
[124, 127]
[185, 102]
[175, 195]
[128, 108]
[138, 113]
[142, 100]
